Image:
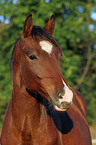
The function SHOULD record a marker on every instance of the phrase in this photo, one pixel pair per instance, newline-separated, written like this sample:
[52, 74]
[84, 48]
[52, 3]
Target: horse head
[39, 58]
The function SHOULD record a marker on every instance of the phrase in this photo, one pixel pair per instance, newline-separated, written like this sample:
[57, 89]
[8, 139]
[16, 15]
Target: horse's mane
[11, 60]
[37, 33]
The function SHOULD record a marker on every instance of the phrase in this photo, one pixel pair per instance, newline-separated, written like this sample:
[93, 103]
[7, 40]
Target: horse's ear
[49, 26]
[27, 28]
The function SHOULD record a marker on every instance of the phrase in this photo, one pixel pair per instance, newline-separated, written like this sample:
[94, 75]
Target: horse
[44, 109]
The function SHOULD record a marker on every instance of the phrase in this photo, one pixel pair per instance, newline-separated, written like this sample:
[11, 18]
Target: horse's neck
[25, 108]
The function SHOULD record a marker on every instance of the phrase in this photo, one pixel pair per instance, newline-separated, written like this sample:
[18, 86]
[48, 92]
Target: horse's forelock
[39, 33]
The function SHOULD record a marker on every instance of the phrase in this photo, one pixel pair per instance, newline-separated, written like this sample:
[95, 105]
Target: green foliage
[77, 40]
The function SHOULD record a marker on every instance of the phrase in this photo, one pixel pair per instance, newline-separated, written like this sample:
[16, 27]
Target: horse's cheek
[27, 75]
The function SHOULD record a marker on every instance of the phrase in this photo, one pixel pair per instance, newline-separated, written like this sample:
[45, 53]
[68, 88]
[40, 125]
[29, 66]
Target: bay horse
[44, 109]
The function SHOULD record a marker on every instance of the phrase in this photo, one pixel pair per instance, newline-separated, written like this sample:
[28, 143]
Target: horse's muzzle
[63, 100]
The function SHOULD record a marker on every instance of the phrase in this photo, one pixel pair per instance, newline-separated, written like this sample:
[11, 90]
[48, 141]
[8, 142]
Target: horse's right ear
[49, 26]
[27, 28]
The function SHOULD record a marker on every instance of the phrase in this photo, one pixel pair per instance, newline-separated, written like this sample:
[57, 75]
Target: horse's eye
[32, 57]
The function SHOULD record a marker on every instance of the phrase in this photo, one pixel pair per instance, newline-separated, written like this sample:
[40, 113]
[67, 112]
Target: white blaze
[68, 96]
[46, 46]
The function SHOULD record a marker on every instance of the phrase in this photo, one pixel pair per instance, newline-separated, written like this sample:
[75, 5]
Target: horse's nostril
[60, 97]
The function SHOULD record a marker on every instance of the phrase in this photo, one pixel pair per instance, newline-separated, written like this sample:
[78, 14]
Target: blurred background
[75, 31]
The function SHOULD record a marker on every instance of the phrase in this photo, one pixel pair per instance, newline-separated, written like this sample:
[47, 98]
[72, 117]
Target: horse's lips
[58, 109]
[63, 106]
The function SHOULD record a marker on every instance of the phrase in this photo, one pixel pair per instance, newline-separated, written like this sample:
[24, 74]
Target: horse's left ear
[49, 26]
[27, 28]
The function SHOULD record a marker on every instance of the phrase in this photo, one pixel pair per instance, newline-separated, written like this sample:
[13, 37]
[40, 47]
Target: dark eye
[32, 57]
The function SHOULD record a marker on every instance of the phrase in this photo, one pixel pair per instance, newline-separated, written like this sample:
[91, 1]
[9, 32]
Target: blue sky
[93, 15]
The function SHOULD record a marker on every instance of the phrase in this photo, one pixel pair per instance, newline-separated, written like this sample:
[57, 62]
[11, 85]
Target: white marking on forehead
[46, 46]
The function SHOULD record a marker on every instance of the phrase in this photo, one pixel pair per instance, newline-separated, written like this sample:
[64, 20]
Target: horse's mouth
[61, 106]
[64, 106]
